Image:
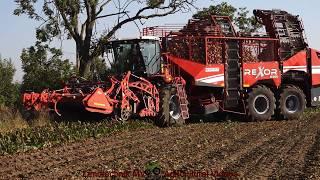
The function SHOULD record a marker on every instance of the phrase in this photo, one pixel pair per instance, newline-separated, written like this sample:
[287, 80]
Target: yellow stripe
[99, 104]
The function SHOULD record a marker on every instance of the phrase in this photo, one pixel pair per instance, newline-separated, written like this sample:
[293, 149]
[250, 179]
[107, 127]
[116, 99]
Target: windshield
[151, 55]
[138, 56]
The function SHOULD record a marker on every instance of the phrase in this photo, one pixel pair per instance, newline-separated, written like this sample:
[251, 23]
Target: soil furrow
[311, 167]
[150, 150]
[260, 161]
[276, 149]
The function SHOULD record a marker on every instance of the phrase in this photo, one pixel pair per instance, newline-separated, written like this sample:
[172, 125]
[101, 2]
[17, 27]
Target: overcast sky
[17, 33]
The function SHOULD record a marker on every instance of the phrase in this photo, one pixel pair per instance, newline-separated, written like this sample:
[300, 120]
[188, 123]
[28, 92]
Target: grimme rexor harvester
[203, 67]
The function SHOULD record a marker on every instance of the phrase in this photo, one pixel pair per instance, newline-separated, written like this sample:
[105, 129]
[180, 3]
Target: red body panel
[254, 72]
[298, 62]
[188, 66]
[213, 75]
[315, 68]
[203, 75]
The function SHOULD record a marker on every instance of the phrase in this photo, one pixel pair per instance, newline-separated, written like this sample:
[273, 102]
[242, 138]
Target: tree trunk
[83, 49]
[84, 61]
[77, 58]
[84, 68]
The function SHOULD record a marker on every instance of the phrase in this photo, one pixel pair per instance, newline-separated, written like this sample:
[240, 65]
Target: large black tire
[292, 102]
[261, 104]
[170, 113]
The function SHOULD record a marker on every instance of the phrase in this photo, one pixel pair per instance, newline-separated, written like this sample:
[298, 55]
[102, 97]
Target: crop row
[58, 133]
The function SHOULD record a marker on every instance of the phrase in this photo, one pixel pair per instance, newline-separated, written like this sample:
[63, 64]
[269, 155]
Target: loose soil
[276, 149]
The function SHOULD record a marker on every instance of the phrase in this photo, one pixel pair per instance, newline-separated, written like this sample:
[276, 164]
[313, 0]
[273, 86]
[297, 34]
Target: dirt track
[268, 149]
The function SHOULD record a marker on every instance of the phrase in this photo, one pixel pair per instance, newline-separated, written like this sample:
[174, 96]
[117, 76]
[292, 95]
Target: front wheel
[260, 104]
[170, 111]
[292, 102]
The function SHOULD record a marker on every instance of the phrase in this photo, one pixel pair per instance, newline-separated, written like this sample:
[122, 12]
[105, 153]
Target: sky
[18, 32]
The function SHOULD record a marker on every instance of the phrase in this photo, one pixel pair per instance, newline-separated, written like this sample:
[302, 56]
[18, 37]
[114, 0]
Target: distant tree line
[9, 91]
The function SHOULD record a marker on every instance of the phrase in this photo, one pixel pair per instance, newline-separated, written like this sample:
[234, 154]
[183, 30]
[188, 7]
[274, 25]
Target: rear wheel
[292, 102]
[260, 104]
[170, 111]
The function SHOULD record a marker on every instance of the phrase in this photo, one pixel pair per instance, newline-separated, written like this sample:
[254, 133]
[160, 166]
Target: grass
[310, 113]
[11, 120]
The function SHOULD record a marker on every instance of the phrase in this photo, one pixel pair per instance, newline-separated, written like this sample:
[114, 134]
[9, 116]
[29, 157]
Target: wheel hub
[174, 107]
[292, 103]
[261, 104]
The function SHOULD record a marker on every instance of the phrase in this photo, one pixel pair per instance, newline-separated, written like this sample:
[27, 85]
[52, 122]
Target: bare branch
[113, 14]
[171, 8]
[102, 6]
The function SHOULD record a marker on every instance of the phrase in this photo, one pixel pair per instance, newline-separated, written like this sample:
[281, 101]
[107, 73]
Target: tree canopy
[240, 16]
[8, 90]
[77, 20]
[44, 68]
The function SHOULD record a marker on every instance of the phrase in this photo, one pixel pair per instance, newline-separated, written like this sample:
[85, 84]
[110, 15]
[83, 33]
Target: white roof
[142, 37]
[151, 38]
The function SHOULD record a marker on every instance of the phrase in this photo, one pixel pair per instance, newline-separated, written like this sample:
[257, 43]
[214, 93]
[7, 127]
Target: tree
[99, 69]
[222, 9]
[246, 23]
[44, 68]
[240, 16]
[9, 92]
[78, 18]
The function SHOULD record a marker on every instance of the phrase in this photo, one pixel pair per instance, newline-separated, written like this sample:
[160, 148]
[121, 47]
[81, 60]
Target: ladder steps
[232, 70]
[183, 101]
